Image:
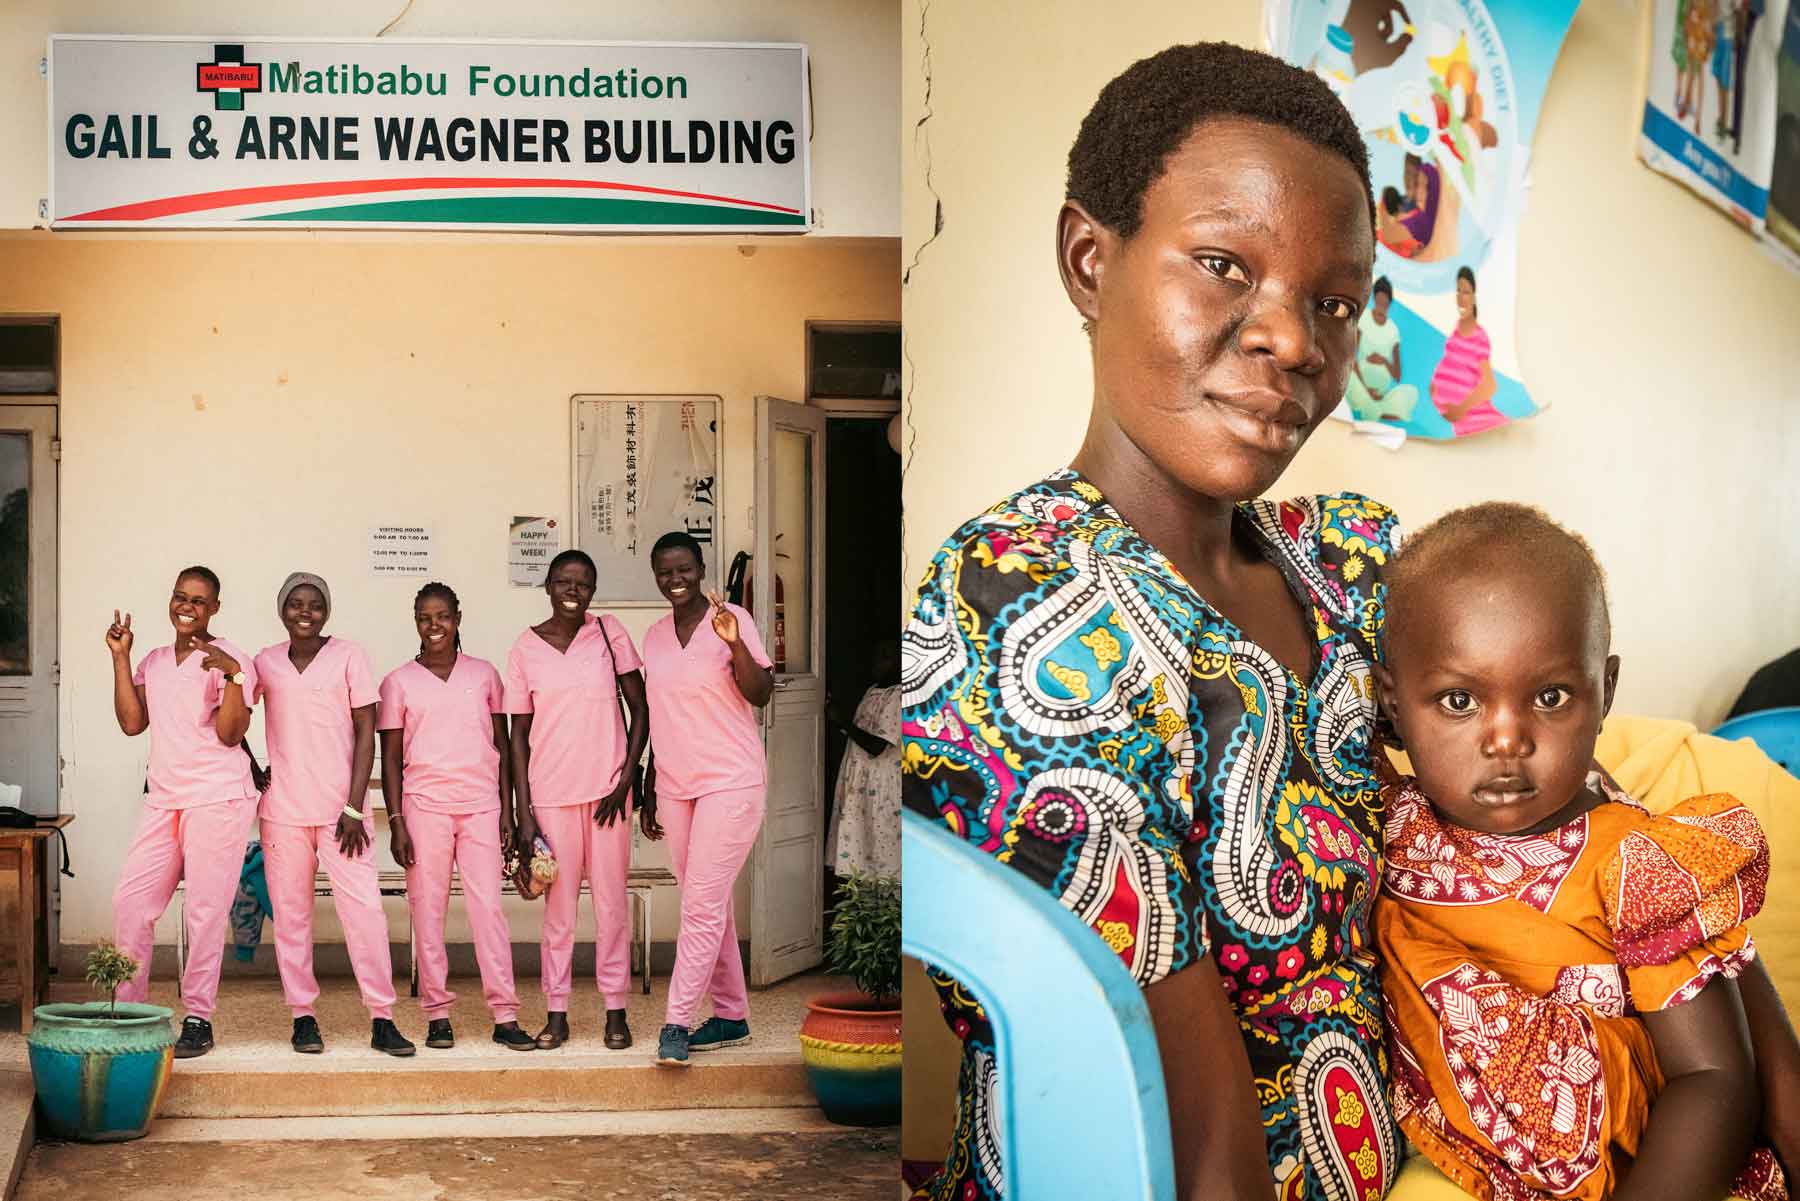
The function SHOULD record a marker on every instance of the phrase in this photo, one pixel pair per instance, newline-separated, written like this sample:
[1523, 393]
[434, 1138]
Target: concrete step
[379, 1128]
[562, 1081]
[253, 1072]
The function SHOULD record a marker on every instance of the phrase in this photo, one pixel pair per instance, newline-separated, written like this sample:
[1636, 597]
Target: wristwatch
[236, 677]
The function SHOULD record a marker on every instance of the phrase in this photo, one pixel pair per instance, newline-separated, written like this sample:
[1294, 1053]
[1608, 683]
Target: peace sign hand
[217, 660]
[118, 634]
[724, 621]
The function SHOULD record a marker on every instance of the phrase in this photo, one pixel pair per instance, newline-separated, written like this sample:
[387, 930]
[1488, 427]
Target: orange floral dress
[1515, 968]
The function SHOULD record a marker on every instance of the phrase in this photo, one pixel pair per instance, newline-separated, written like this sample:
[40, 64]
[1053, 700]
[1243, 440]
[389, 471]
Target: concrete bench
[639, 883]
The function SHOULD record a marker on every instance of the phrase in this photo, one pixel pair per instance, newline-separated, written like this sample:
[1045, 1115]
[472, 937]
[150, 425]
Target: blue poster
[1446, 93]
[1784, 172]
[1709, 118]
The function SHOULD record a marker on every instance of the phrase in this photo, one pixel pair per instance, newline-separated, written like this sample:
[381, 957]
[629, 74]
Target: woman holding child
[1152, 692]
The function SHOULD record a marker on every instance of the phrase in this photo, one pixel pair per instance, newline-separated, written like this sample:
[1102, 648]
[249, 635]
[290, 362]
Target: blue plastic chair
[1776, 732]
[1079, 1084]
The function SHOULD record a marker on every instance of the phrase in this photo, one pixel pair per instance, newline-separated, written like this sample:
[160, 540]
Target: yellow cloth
[1661, 763]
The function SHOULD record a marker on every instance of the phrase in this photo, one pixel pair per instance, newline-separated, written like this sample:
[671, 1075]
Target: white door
[786, 915]
[28, 667]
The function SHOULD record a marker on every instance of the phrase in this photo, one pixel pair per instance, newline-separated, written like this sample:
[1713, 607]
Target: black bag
[13, 818]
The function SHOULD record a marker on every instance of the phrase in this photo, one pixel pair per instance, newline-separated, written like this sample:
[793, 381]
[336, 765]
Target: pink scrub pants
[204, 846]
[709, 840]
[292, 856]
[472, 842]
[601, 855]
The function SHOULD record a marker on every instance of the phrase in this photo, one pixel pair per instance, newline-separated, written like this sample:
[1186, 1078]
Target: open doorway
[828, 529]
[853, 374]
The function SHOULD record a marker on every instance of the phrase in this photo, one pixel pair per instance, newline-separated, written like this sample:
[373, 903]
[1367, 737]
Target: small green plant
[107, 968]
[864, 940]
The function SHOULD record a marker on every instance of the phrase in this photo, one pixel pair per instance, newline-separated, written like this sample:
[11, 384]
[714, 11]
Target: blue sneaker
[672, 1047]
[716, 1032]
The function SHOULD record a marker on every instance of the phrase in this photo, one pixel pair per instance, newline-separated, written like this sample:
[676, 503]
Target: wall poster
[1447, 94]
[644, 465]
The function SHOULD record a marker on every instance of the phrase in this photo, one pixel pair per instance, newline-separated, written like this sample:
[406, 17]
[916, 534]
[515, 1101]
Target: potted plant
[850, 1041]
[100, 1066]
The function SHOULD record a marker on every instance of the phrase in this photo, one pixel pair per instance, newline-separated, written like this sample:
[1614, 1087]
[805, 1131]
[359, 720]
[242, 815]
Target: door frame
[769, 963]
[43, 541]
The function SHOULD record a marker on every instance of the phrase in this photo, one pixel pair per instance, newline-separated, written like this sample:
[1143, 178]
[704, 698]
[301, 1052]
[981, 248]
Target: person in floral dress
[1150, 691]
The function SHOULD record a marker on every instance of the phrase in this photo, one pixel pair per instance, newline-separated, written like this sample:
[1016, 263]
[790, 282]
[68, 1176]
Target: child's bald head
[1490, 539]
[1496, 671]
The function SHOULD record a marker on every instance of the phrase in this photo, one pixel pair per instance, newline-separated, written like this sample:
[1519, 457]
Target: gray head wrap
[294, 581]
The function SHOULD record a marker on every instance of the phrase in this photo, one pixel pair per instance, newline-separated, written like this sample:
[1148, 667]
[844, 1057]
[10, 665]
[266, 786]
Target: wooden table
[24, 858]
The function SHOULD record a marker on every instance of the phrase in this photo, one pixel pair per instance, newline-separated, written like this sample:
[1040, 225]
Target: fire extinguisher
[780, 625]
[742, 579]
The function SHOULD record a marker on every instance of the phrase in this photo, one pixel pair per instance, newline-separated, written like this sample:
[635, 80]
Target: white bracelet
[358, 814]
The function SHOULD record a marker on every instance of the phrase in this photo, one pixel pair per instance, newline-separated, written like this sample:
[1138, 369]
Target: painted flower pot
[99, 1078]
[850, 1044]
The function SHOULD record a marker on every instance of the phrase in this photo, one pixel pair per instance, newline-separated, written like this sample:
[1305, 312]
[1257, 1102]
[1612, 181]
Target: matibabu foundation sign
[622, 136]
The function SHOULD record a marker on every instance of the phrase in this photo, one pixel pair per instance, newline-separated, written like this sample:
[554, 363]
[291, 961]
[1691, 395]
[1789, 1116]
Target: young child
[445, 780]
[200, 802]
[1574, 1007]
[320, 718]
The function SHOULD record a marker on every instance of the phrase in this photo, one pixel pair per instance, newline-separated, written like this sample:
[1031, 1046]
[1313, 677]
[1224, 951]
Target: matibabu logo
[228, 77]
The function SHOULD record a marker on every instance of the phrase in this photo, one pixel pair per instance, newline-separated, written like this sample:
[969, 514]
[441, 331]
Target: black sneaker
[196, 1038]
[438, 1035]
[510, 1036]
[307, 1039]
[672, 1047]
[716, 1032]
[385, 1037]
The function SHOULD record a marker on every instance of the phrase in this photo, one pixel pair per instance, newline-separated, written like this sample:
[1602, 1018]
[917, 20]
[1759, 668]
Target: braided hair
[446, 594]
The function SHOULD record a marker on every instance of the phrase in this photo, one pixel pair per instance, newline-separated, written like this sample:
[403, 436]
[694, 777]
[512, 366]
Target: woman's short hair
[572, 556]
[677, 540]
[1148, 111]
[1383, 287]
[200, 572]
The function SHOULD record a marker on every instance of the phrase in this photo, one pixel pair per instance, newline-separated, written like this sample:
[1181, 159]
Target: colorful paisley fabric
[1074, 709]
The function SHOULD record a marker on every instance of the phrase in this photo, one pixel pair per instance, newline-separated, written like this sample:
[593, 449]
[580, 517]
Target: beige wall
[257, 404]
[1662, 339]
[853, 44]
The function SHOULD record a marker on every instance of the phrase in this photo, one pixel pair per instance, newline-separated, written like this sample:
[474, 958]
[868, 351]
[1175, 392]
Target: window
[28, 356]
[853, 362]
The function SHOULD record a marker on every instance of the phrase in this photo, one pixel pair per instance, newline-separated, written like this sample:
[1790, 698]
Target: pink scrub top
[312, 738]
[577, 732]
[189, 766]
[705, 734]
[447, 734]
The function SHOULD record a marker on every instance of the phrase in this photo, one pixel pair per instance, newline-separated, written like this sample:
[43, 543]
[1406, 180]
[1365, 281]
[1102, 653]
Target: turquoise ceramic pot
[100, 1078]
[850, 1045]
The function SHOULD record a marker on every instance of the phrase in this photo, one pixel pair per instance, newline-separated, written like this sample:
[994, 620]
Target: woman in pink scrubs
[444, 778]
[708, 674]
[194, 698]
[570, 748]
[320, 718]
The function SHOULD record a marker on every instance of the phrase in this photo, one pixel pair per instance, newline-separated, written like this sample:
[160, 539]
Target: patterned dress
[1077, 711]
[1516, 967]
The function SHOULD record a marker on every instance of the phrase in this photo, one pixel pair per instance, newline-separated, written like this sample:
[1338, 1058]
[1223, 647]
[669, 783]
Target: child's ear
[1384, 706]
[1384, 685]
[1612, 685]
